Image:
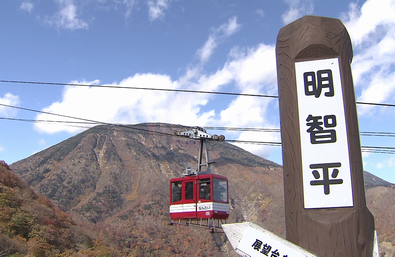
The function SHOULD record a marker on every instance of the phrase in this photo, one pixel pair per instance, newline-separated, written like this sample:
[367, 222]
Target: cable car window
[175, 192]
[220, 190]
[204, 189]
[188, 190]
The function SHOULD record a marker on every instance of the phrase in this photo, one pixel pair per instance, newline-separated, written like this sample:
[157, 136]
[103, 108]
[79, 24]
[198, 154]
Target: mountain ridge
[109, 177]
[31, 224]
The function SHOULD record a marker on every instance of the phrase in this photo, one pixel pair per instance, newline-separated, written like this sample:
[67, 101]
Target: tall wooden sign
[325, 205]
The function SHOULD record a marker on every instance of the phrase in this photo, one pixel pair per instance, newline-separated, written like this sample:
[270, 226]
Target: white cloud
[67, 17]
[231, 27]
[379, 90]
[297, 9]
[156, 9]
[254, 68]
[260, 13]
[380, 165]
[257, 149]
[26, 6]
[208, 48]
[1, 149]
[365, 156]
[372, 31]
[254, 72]
[126, 106]
[248, 110]
[249, 70]
[389, 163]
[129, 4]
[9, 99]
[364, 22]
[217, 36]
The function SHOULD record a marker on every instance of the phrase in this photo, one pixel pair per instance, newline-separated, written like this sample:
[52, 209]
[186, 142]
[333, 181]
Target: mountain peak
[117, 176]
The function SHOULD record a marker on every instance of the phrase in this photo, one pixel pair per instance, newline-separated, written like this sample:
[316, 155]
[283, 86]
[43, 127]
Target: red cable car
[199, 195]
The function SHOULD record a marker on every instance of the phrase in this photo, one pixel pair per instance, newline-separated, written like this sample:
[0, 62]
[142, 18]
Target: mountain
[374, 181]
[114, 182]
[31, 224]
[380, 201]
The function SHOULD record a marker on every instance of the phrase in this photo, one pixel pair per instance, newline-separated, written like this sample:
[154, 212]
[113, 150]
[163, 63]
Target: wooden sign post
[325, 205]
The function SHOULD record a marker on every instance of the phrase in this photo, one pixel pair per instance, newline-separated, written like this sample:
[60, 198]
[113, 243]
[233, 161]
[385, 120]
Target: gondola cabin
[203, 196]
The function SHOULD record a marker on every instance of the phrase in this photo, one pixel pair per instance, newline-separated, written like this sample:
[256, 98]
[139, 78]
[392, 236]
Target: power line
[277, 130]
[254, 142]
[92, 122]
[163, 89]
[77, 118]
[268, 130]
[378, 104]
[378, 134]
[370, 149]
[245, 129]
[48, 121]
[137, 88]
[65, 123]
[379, 149]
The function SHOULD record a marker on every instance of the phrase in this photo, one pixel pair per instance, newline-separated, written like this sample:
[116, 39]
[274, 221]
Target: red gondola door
[189, 194]
[183, 200]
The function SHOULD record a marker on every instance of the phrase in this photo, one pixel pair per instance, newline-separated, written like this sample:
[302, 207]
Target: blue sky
[218, 45]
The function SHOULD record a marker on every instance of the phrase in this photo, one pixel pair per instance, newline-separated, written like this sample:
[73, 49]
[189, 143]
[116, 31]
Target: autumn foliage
[30, 224]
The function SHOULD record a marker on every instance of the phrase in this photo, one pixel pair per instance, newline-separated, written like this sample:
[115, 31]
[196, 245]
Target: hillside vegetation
[31, 225]
[113, 181]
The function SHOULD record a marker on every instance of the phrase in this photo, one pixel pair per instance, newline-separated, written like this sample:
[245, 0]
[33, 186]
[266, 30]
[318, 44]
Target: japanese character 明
[313, 84]
[257, 244]
[326, 181]
[319, 135]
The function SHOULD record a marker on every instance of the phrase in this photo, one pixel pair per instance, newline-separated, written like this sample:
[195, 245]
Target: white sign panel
[249, 239]
[323, 134]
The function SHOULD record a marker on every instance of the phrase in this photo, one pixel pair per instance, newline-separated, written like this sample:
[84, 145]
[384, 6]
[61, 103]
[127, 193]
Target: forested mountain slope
[114, 180]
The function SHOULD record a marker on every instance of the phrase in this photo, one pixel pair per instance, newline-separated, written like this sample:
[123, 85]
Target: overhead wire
[137, 88]
[161, 89]
[245, 129]
[48, 121]
[378, 134]
[77, 118]
[65, 123]
[88, 121]
[269, 130]
[370, 149]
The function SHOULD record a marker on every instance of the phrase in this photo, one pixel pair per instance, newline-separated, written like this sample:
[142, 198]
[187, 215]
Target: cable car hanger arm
[199, 133]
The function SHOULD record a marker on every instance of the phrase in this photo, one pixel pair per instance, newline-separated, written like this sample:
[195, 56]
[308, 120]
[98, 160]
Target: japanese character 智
[319, 135]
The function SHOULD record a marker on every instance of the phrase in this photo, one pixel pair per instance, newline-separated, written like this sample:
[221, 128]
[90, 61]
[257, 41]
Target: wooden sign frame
[339, 231]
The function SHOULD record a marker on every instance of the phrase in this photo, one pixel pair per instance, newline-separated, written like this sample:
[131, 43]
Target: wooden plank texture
[347, 231]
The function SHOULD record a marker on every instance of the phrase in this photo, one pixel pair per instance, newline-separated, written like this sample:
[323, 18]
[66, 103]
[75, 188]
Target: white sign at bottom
[251, 240]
